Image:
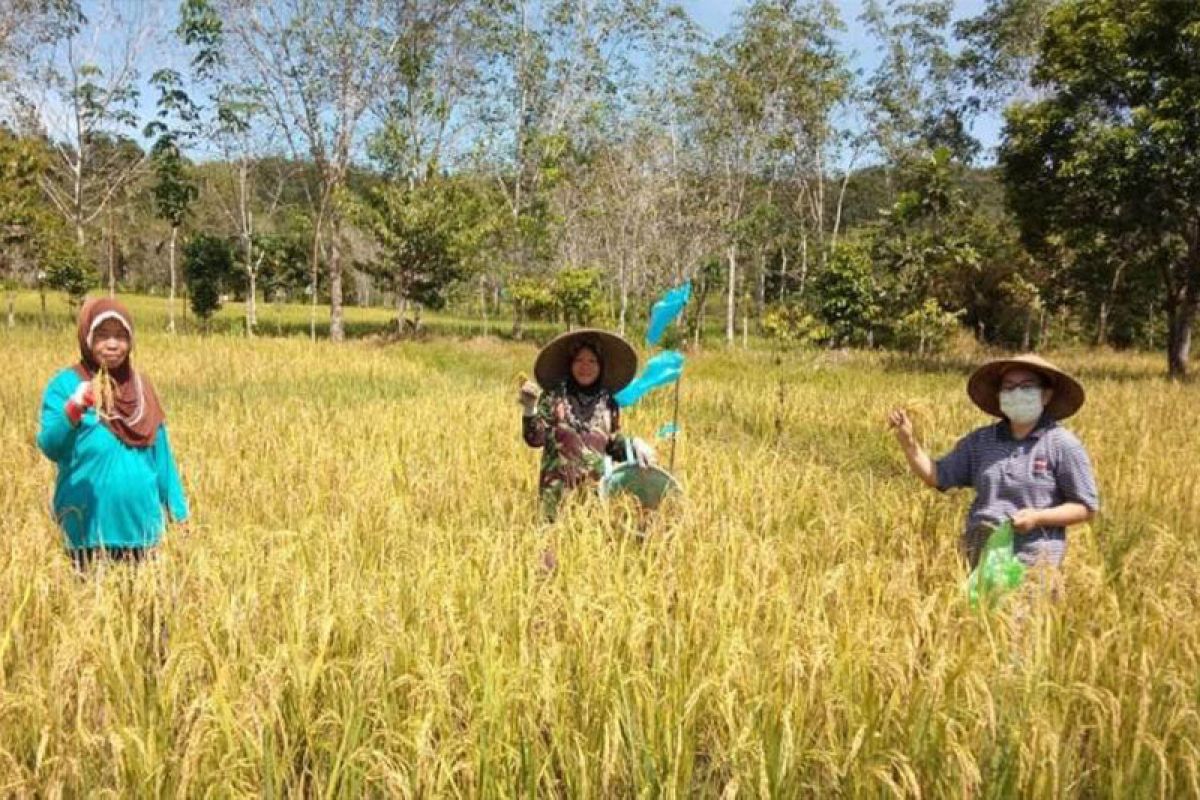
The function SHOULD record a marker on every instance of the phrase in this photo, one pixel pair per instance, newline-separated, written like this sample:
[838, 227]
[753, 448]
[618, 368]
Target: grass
[357, 609]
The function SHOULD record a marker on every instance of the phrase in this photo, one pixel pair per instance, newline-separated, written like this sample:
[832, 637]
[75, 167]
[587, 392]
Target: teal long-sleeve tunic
[107, 494]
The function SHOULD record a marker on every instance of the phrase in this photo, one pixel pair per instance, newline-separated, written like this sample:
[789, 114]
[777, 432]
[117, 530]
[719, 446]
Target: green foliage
[913, 100]
[1000, 47]
[793, 324]
[430, 234]
[201, 28]
[926, 329]
[849, 298]
[207, 265]
[284, 268]
[22, 206]
[532, 298]
[173, 190]
[1107, 160]
[67, 269]
[577, 295]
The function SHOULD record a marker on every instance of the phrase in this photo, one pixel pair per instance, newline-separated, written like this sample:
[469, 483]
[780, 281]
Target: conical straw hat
[617, 358]
[984, 385]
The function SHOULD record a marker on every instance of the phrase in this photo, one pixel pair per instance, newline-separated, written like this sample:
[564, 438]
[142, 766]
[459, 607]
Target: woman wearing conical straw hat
[105, 430]
[575, 420]
[1026, 467]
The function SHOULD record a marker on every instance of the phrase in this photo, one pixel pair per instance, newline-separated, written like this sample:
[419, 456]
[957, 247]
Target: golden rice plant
[358, 607]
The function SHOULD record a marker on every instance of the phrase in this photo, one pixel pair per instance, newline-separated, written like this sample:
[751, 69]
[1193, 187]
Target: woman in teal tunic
[104, 428]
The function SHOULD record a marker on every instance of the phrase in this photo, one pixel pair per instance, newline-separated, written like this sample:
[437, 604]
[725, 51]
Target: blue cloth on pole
[665, 311]
[663, 369]
[668, 431]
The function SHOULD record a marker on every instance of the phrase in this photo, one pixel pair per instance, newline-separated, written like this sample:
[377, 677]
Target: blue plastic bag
[668, 431]
[663, 369]
[666, 310]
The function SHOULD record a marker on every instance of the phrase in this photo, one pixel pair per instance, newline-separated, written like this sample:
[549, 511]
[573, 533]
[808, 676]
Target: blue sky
[715, 16]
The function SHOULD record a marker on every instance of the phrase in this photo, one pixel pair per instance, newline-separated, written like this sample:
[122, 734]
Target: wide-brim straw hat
[617, 358]
[984, 385]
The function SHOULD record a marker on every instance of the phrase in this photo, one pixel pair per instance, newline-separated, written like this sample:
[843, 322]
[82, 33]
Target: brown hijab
[136, 413]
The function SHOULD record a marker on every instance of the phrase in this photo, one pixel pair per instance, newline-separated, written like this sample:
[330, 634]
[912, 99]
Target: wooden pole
[675, 426]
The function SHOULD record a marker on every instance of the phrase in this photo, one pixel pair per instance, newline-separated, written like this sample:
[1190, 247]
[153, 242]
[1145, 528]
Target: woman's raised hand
[528, 395]
[901, 425]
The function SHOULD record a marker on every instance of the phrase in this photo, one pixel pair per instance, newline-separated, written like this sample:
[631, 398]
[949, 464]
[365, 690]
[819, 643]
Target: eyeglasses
[1023, 386]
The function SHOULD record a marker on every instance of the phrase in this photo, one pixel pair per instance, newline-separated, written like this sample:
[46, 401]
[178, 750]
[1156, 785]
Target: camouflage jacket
[574, 437]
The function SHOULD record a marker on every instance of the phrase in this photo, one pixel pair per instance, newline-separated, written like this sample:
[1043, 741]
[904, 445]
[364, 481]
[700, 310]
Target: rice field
[358, 609]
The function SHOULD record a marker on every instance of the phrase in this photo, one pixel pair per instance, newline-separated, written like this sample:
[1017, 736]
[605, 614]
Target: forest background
[1019, 171]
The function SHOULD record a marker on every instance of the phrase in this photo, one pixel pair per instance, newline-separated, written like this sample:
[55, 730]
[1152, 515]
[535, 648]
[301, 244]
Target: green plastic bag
[998, 572]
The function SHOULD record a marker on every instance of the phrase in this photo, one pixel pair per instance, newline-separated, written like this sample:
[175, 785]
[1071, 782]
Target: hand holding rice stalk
[528, 393]
[910, 421]
[105, 393]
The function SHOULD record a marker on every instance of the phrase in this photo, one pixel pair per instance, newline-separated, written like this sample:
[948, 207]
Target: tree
[577, 295]
[1000, 49]
[85, 95]
[67, 270]
[174, 190]
[730, 105]
[556, 87]
[26, 26]
[207, 265]
[913, 102]
[848, 296]
[319, 67]
[22, 211]
[1111, 150]
[927, 242]
[248, 188]
[429, 236]
[531, 299]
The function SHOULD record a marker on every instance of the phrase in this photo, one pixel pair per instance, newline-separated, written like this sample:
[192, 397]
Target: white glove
[643, 453]
[528, 397]
[80, 401]
[82, 396]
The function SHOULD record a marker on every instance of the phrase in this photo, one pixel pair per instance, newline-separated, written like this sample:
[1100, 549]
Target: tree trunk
[314, 267]
[518, 327]
[760, 295]
[45, 319]
[12, 311]
[698, 320]
[1179, 337]
[783, 274]
[483, 303]
[112, 259]
[624, 288]
[1106, 305]
[401, 310]
[337, 328]
[1182, 305]
[171, 269]
[731, 300]
[803, 263]
[252, 302]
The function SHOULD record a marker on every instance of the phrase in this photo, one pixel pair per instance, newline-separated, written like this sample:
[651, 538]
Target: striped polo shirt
[1047, 468]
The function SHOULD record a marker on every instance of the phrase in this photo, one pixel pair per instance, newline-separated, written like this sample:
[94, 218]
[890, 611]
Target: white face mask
[1022, 406]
